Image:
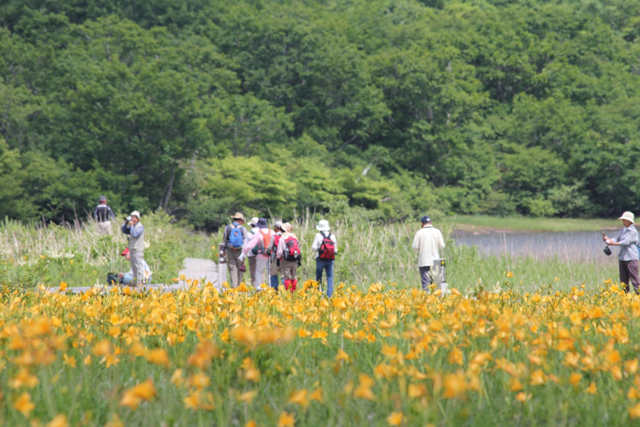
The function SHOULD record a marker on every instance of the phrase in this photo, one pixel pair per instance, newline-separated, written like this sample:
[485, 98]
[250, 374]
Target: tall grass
[34, 253]
[369, 252]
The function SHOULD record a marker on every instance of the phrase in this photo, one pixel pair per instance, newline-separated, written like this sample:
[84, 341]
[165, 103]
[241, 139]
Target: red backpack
[327, 248]
[292, 249]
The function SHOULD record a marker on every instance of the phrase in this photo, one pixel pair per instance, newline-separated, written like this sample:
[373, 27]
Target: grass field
[368, 253]
[384, 357]
[520, 341]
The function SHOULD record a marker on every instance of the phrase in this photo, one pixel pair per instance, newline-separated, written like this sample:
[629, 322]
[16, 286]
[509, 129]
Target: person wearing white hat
[135, 231]
[274, 268]
[325, 246]
[627, 240]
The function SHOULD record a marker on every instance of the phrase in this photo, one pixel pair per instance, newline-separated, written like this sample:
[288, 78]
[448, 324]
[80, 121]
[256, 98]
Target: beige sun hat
[254, 221]
[287, 227]
[137, 214]
[238, 215]
[628, 216]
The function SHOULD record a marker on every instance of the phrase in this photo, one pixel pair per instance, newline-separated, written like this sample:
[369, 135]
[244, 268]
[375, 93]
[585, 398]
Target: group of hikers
[276, 251]
[273, 252]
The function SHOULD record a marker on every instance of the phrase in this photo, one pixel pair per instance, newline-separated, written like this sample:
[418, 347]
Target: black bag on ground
[112, 279]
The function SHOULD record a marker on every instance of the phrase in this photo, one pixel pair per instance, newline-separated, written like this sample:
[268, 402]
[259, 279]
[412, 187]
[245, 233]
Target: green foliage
[398, 108]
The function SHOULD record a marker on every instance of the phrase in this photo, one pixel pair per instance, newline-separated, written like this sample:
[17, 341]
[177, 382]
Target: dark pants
[629, 273]
[327, 266]
[425, 277]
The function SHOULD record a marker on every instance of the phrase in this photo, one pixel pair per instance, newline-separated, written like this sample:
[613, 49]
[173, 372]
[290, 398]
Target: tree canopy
[205, 107]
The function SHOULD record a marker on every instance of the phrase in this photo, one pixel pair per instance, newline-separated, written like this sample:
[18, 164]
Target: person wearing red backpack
[325, 246]
[289, 256]
[258, 247]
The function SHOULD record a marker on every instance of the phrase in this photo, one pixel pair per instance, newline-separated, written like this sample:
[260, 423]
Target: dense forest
[389, 107]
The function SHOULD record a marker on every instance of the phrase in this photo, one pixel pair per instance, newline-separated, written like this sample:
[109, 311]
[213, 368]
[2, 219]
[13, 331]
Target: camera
[128, 218]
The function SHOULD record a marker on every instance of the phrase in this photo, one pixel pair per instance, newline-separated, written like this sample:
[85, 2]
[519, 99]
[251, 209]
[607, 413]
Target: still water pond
[570, 245]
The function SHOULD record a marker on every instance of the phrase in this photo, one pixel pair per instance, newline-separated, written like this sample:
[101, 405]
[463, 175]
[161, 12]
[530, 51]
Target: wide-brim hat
[135, 213]
[628, 216]
[239, 216]
[262, 223]
[126, 251]
[323, 225]
[254, 221]
[287, 227]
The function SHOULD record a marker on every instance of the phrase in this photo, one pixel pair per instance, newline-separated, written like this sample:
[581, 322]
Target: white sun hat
[628, 216]
[135, 213]
[323, 225]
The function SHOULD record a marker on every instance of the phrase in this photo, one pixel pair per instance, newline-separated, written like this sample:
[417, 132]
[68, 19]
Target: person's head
[135, 217]
[425, 220]
[323, 225]
[126, 254]
[277, 227]
[239, 218]
[254, 222]
[103, 200]
[287, 228]
[262, 223]
[627, 218]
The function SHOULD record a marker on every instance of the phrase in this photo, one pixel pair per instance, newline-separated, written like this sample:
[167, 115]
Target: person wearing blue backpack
[234, 238]
[627, 240]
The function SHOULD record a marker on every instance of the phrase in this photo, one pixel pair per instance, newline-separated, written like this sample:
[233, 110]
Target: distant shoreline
[515, 224]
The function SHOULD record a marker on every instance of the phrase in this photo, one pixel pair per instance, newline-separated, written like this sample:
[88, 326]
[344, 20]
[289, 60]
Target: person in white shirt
[428, 242]
[252, 257]
[325, 247]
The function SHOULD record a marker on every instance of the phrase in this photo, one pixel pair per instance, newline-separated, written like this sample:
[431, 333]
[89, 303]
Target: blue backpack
[236, 240]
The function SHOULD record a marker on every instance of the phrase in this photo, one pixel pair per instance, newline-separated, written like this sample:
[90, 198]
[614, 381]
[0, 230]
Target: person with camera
[135, 230]
[628, 256]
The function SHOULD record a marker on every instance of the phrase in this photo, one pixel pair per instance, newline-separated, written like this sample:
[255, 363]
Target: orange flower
[135, 395]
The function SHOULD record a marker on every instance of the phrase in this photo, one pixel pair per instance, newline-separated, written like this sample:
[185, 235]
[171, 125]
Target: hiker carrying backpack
[289, 257]
[326, 247]
[236, 238]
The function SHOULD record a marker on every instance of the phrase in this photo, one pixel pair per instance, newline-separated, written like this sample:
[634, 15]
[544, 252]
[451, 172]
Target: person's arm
[317, 242]
[280, 249]
[113, 216]
[631, 238]
[95, 213]
[225, 238]
[137, 231]
[252, 243]
[440, 241]
[416, 243]
[335, 242]
[616, 240]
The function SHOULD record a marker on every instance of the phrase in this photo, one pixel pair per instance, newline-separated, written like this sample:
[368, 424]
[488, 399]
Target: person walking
[135, 230]
[258, 247]
[253, 224]
[103, 216]
[272, 248]
[234, 237]
[289, 255]
[428, 242]
[628, 256]
[325, 247]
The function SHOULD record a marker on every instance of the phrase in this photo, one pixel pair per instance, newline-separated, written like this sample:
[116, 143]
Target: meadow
[519, 341]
